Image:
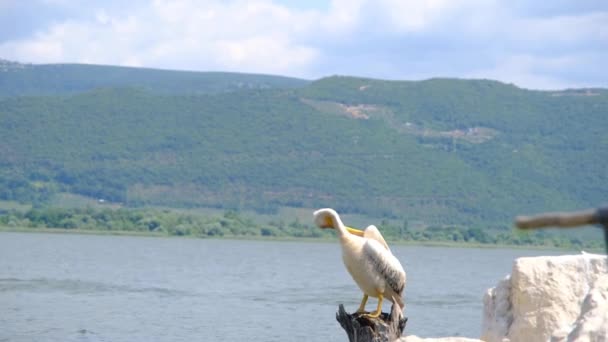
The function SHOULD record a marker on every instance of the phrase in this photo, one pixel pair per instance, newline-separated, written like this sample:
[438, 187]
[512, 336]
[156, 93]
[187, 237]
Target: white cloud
[242, 36]
[527, 71]
[343, 16]
[265, 54]
[384, 38]
[413, 15]
[561, 29]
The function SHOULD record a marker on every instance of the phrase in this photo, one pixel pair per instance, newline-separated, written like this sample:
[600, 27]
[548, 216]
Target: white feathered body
[374, 268]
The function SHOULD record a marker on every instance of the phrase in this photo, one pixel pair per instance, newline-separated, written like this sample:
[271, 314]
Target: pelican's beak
[327, 222]
[354, 231]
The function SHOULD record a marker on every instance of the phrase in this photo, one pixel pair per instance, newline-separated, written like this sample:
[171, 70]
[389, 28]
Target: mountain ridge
[71, 78]
[441, 151]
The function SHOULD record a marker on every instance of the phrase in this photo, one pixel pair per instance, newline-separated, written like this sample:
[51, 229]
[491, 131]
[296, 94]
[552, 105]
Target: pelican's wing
[383, 263]
[373, 233]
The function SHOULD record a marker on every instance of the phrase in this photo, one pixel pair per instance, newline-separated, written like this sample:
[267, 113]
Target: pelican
[368, 260]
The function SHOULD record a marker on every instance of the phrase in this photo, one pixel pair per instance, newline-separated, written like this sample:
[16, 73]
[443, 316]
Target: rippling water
[112, 288]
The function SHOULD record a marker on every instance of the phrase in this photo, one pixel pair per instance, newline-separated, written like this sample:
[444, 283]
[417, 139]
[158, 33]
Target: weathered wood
[359, 328]
[558, 219]
[567, 220]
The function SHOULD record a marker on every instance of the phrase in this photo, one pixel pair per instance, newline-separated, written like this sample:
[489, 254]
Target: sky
[553, 44]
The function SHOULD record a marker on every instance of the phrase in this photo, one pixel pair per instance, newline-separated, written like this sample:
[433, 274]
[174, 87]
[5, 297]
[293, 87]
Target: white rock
[592, 323]
[543, 297]
[414, 338]
[497, 311]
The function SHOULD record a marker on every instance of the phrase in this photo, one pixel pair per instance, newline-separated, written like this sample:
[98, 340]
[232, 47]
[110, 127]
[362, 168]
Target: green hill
[441, 151]
[55, 79]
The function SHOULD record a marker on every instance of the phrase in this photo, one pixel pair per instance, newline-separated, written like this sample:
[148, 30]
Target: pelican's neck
[339, 226]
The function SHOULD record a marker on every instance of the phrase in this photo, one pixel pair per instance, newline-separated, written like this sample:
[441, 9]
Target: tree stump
[386, 328]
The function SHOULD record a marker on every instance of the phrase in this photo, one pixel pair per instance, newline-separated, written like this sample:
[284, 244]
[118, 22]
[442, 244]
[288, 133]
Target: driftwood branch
[359, 328]
[567, 220]
[558, 219]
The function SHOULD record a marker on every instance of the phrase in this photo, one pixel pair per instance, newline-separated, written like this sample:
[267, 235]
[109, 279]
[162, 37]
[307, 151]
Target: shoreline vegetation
[445, 244]
[233, 225]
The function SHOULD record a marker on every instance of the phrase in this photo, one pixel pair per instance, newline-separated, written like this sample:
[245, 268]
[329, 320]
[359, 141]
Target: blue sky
[533, 44]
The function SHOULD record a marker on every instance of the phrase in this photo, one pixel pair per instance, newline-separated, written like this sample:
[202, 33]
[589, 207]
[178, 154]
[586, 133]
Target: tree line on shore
[233, 224]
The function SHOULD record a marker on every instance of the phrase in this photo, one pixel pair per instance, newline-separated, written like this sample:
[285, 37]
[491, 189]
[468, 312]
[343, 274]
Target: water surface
[119, 288]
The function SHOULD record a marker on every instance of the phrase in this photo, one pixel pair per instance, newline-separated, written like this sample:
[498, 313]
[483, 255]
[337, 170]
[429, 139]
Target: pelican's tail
[399, 302]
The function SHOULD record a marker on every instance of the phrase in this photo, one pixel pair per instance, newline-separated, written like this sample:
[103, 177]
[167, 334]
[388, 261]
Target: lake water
[57, 287]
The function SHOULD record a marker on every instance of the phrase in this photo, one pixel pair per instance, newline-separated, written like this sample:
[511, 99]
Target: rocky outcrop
[413, 338]
[561, 298]
[592, 324]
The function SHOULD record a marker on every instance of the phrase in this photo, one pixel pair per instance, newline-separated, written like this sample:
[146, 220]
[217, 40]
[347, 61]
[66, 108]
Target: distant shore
[272, 238]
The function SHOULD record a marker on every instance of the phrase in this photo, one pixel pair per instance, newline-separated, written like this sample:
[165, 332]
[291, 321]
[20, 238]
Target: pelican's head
[329, 218]
[326, 218]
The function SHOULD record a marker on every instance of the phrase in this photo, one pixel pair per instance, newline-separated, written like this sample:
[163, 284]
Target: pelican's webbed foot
[361, 309]
[378, 311]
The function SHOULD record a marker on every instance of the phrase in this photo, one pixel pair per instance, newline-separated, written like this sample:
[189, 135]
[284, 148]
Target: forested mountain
[54, 79]
[440, 151]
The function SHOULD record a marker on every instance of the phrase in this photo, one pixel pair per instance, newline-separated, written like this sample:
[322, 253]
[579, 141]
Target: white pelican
[368, 260]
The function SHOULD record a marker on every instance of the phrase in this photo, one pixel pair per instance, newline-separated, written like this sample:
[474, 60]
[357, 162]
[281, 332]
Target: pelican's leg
[362, 306]
[378, 311]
